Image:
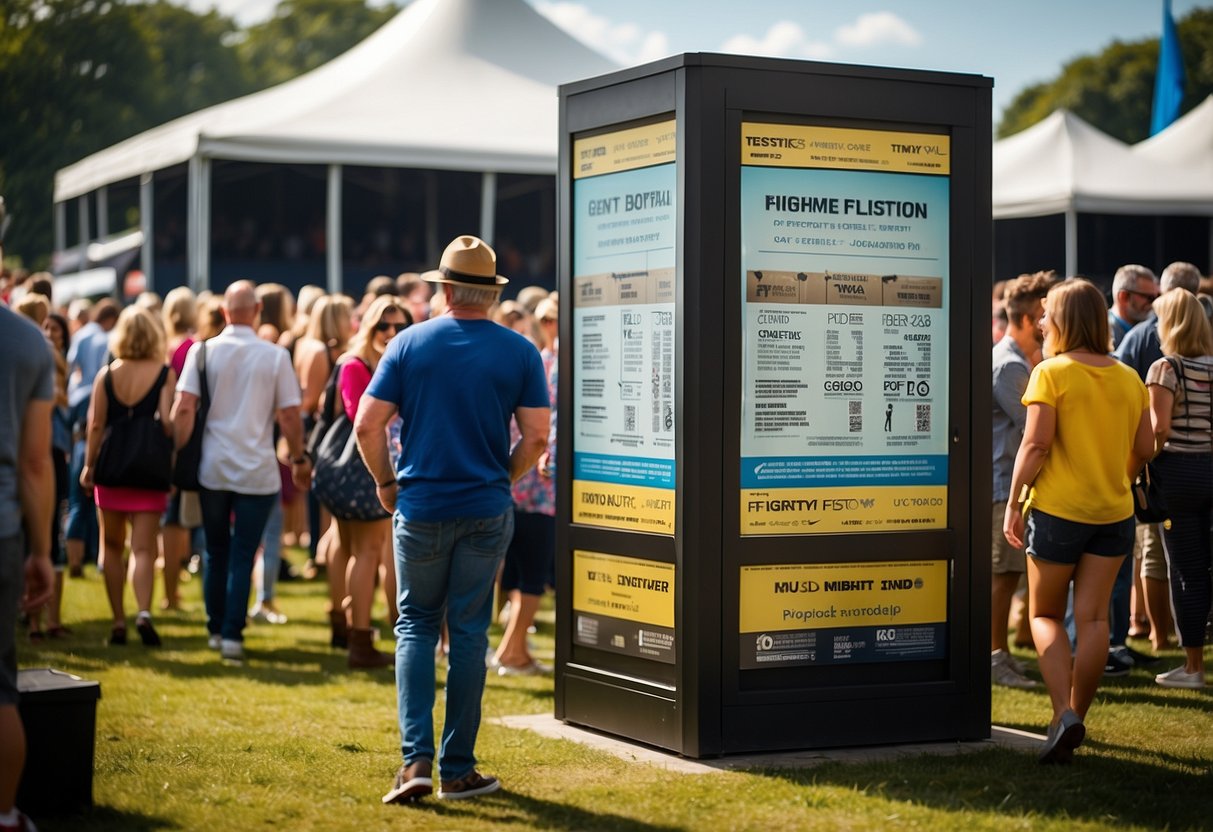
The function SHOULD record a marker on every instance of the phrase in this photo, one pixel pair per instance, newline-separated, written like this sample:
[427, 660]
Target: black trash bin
[59, 712]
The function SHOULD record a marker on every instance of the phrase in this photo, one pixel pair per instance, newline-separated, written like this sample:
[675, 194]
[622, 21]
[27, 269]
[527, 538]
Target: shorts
[1057, 540]
[531, 551]
[12, 577]
[1005, 557]
[1149, 549]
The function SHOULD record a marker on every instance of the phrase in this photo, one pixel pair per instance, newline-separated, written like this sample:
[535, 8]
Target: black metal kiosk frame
[667, 542]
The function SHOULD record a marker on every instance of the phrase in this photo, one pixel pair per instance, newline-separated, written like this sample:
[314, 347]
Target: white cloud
[876, 29]
[786, 39]
[626, 43]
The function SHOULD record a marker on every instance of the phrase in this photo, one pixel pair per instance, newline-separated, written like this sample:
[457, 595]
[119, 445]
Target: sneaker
[532, 668]
[1062, 739]
[470, 785]
[1119, 662]
[413, 782]
[233, 651]
[264, 615]
[214, 641]
[23, 824]
[1180, 678]
[1005, 672]
[1139, 658]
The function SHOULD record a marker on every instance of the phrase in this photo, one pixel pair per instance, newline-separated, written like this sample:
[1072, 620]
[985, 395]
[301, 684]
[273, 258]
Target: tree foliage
[1114, 90]
[81, 75]
[303, 34]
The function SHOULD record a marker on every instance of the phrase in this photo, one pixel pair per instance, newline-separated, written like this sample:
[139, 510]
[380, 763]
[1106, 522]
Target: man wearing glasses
[1133, 291]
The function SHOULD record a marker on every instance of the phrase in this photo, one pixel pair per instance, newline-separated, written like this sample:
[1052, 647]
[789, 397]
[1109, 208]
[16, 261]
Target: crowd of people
[204, 433]
[1141, 369]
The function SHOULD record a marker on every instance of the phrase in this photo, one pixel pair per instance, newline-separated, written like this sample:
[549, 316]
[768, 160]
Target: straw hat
[467, 261]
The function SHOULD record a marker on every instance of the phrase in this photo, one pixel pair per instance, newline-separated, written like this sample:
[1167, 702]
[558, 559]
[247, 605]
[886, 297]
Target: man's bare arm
[533, 423]
[36, 489]
[185, 413]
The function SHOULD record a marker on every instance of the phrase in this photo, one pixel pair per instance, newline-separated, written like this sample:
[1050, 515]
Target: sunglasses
[1151, 298]
[384, 326]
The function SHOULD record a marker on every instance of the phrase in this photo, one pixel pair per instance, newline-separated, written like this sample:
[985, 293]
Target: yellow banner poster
[839, 148]
[635, 508]
[837, 595]
[620, 587]
[635, 147]
[624, 605]
[787, 511]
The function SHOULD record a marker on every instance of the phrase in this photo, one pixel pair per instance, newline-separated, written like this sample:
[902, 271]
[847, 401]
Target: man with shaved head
[250, 384]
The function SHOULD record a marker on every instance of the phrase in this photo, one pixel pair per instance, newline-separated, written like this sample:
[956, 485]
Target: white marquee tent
[1062, 165]
[1187, 142]
[467, 85]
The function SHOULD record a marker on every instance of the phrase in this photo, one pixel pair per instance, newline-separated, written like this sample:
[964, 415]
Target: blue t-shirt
[456, 383]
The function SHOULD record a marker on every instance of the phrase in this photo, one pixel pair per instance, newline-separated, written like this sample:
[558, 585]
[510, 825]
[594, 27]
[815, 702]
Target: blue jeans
[271, 553]
[81, 510]
[447, 567]
[234, 524]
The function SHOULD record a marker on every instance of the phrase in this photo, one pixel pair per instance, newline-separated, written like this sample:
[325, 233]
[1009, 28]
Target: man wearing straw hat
[455, 381]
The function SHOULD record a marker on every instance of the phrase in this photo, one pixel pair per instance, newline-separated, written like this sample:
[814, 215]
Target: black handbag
[340, 479]
[189, 458]
[1149, 506]
[135, 451]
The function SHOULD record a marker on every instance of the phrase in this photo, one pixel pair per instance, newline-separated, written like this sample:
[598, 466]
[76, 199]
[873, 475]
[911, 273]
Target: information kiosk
[774, 393]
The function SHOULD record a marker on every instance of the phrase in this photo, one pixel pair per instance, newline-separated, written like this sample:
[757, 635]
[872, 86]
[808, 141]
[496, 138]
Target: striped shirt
[1191, 414]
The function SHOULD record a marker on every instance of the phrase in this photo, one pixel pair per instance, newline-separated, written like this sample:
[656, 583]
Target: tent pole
[1071, 242]
[60, 226]
[82, 223]
[103, 212]
[488, 206]
[1209, 262]
[204, 222]
[191, 223]
[146, 212]
[332, 243]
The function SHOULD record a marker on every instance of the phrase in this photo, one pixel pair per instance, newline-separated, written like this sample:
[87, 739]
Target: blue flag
[1169, 81]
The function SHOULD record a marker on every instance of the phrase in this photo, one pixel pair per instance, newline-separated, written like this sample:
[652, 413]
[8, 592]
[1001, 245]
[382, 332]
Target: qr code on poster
[922, 418]
[855, 412]
[629, 418]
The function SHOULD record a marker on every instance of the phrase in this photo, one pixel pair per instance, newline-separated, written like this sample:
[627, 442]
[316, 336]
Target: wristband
[387, 484]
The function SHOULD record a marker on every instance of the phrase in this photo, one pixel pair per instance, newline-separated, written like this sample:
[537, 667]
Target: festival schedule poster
[624, 237]
[802, 615]
[844, 280]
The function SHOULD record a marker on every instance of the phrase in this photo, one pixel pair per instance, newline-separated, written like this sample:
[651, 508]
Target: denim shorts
[1065, 541]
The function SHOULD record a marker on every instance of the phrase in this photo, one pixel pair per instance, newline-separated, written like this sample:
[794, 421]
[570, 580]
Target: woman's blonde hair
[1183, 328]
[330, 321]
[1078, 317]
[363, 342]
[180, 311]
[35, 307]
[138, 336]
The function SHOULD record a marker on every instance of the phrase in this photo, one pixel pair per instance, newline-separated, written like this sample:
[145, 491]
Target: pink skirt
[129, 500]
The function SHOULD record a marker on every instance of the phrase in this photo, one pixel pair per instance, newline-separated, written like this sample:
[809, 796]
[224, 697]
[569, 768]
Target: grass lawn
[292, 740]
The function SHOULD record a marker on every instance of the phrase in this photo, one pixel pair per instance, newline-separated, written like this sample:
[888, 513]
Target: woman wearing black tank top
[136, 384]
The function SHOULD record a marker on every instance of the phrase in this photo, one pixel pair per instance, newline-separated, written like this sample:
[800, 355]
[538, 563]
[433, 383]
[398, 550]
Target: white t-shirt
[250, 380]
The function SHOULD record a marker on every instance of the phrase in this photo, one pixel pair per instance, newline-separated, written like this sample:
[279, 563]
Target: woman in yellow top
[1088, 433]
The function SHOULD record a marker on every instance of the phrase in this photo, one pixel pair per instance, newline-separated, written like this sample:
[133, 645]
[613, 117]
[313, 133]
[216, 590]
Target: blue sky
[1017, 42]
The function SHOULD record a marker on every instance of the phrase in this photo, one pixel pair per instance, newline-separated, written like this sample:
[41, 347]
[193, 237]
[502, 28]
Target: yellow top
[1084, 477]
